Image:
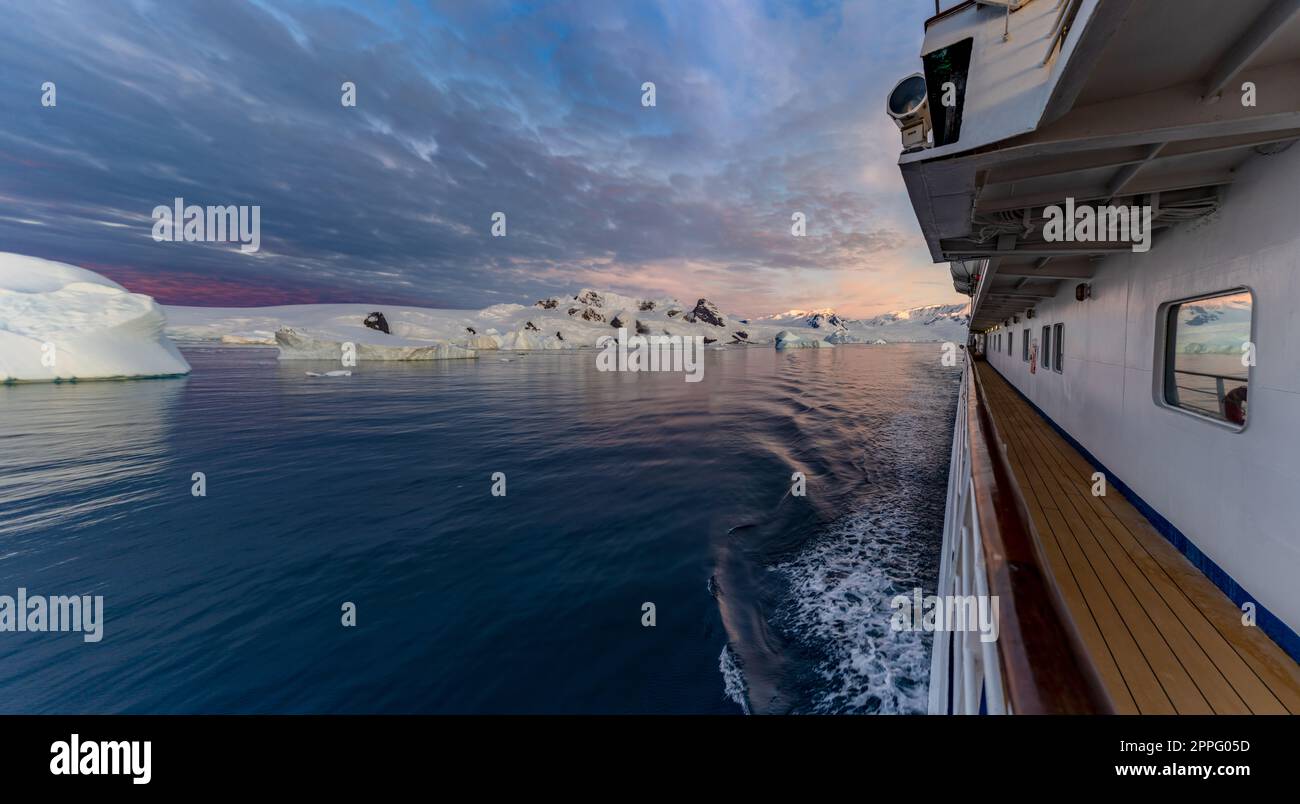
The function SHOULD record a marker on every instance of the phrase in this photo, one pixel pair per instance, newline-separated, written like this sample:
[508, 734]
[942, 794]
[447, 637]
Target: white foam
[733, 678]
[841, 586]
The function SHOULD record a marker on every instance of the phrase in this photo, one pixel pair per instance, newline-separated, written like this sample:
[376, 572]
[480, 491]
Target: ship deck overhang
[1148, 110]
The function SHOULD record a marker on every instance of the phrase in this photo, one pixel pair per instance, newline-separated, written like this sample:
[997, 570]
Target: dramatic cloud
[465, 109]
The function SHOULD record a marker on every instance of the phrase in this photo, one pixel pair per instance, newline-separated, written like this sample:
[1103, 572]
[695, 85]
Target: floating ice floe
[296, 345]
[61, 322]
[785, 339]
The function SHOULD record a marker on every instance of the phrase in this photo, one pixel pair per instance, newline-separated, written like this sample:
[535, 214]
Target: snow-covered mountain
[418, 333]
[939, 322]
[815, 319]
[554, 322]
[60, 321]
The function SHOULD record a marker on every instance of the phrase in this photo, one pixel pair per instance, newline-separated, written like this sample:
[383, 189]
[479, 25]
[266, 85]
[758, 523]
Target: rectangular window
[1058, 349]
[1206, 343]
[1024, 346]
[1045, 354]
[1011, 343]
[949, 64]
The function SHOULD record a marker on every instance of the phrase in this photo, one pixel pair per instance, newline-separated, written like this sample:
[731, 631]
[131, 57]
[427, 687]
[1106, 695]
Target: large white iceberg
[785, 339]
[61, 322]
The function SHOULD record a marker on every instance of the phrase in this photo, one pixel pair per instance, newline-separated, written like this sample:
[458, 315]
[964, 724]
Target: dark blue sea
[375, 489]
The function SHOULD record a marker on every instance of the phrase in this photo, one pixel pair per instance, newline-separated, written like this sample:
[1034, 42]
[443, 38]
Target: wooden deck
[1162, 637]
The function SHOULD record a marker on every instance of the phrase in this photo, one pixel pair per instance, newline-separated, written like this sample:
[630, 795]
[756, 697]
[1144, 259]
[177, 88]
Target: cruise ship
[1114, 183]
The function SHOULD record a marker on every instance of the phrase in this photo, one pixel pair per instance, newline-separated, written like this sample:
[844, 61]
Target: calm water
[376, 489]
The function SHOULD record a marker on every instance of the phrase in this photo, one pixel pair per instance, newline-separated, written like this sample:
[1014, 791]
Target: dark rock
[708, 341]
[529, 325]
[547, 304]
[573, 310]
[642, 329]
[589, 314]
[674, 313]
[590, 297]
[646, 306]
[471, 330]
[377, 321]
[706, 312]
[558, 335]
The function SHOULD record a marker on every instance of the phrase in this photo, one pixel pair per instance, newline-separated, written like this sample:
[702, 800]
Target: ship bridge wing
[1136, 103]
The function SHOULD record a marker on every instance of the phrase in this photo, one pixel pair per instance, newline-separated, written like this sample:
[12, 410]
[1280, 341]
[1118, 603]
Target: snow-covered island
[58, 321]
[935, 323]
[386, 332]
[61, 322]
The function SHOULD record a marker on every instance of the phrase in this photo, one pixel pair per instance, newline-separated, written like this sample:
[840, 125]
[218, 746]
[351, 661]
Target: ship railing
[1037, 664]
[1220, 388]
[1066, 13]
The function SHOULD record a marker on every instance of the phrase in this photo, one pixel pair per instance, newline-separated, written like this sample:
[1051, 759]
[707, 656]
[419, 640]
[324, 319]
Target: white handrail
[977, 677]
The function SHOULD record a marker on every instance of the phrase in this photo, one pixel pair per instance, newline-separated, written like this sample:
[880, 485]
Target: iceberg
[61, 322]
[785, 339]
[295, 345]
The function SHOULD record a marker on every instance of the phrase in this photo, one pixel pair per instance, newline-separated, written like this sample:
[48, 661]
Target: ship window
[1047, 347]
[948, 64]
[1011, 343]
[1024, 346]
[1058, 348]
[1207, 355]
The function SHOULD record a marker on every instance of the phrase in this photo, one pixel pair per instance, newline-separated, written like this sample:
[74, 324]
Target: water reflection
[75, 454]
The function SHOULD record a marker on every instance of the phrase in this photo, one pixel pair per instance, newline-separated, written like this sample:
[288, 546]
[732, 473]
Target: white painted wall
[1235, 495]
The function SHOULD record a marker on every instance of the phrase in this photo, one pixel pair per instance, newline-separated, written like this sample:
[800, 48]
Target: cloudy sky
[466, 108]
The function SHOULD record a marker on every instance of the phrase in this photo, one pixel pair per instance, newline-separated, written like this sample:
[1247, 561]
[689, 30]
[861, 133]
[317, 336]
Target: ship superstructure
[1113, 183]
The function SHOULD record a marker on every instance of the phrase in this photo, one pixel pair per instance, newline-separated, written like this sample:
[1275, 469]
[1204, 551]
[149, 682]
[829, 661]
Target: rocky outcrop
[547, 304]
[646, 306]
[531, 327]
[706, 312]
[377, 321]
[590, 298]
[826, 321]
